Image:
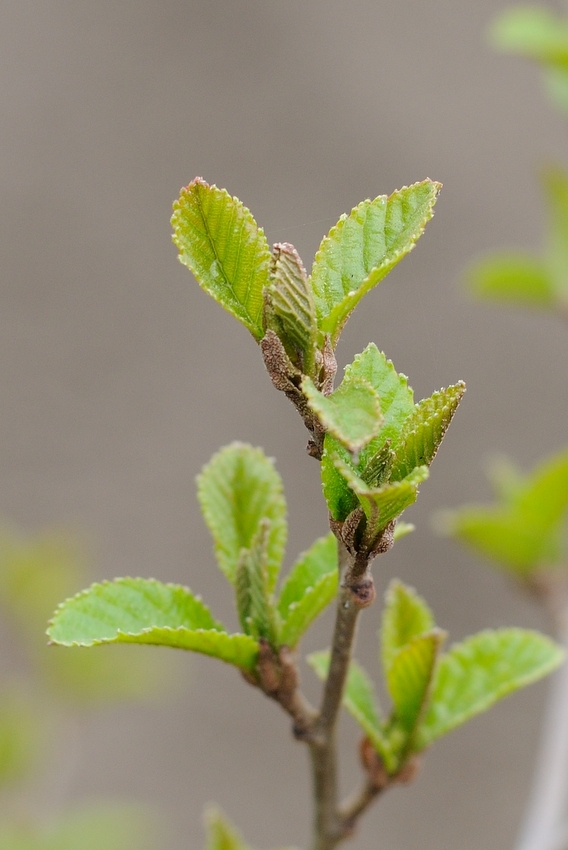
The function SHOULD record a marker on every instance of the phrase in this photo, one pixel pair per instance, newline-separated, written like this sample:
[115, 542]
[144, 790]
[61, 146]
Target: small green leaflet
[289, 307]
[395, 397]
[255, 603]
[409, 678]
[363, 247]
[533, 281]
[405, 616]
[474, 674]
[221, 244]
[525, 529]
[385, 503]
[237, 490]
[424, 430]
[308, 589]
[135, 610]
[534, 32]
[221, 835]
[433, 694]
[352, 413]
[512, 277]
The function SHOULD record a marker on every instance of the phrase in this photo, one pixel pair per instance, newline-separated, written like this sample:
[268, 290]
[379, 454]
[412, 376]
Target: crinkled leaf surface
[363, 247]
[424, 430]
[131, 610]
[383, 504]
[308, 589]
[405, 616]
[409, 677]
[237, 489]
[359, 699]
[512, 278]
[255, 603]
[221, 244]
[474, 674]
[352, 413]
[290, 308]
[395, 397]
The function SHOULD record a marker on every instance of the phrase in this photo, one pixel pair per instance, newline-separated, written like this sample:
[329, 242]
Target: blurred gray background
[120, 377]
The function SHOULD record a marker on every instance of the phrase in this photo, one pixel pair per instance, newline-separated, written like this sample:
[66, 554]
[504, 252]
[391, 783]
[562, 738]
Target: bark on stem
[328, 826]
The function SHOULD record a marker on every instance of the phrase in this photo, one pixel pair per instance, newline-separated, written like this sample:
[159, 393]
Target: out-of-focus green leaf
[308, 589]
[556, 86]
[289, 307]
[255, 602]
[512, 278]
[474, 674]
[405, 616]
[221, 834]
[237, 490]
[360, 700]
[533, 32]
[35, 574]
[352, 413]
[555, 184]
[363, 247]
[143, 611]
[221, 244]
[424, 430]
[94, 827]
[21, 734]
[525, 530]
[402, 529]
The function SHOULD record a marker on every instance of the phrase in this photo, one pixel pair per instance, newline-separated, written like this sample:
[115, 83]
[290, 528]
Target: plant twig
[328, 826]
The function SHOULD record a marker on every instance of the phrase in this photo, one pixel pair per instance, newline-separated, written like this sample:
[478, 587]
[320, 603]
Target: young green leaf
[360, 701]
[424, 430]
[308, 589]
[385, 503]
[221, 244]
[91, 827]
[474, 674]
[406, 616]
[339, 496]
[352, 413]
[525, 530]
[221, 835]
[534, 32]
[555, 184]
[21, 737]
[289, 307]
[409, 677]
[255, 603]
[130, 610]
[363, 247]
[237, 489]
[512, 278]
